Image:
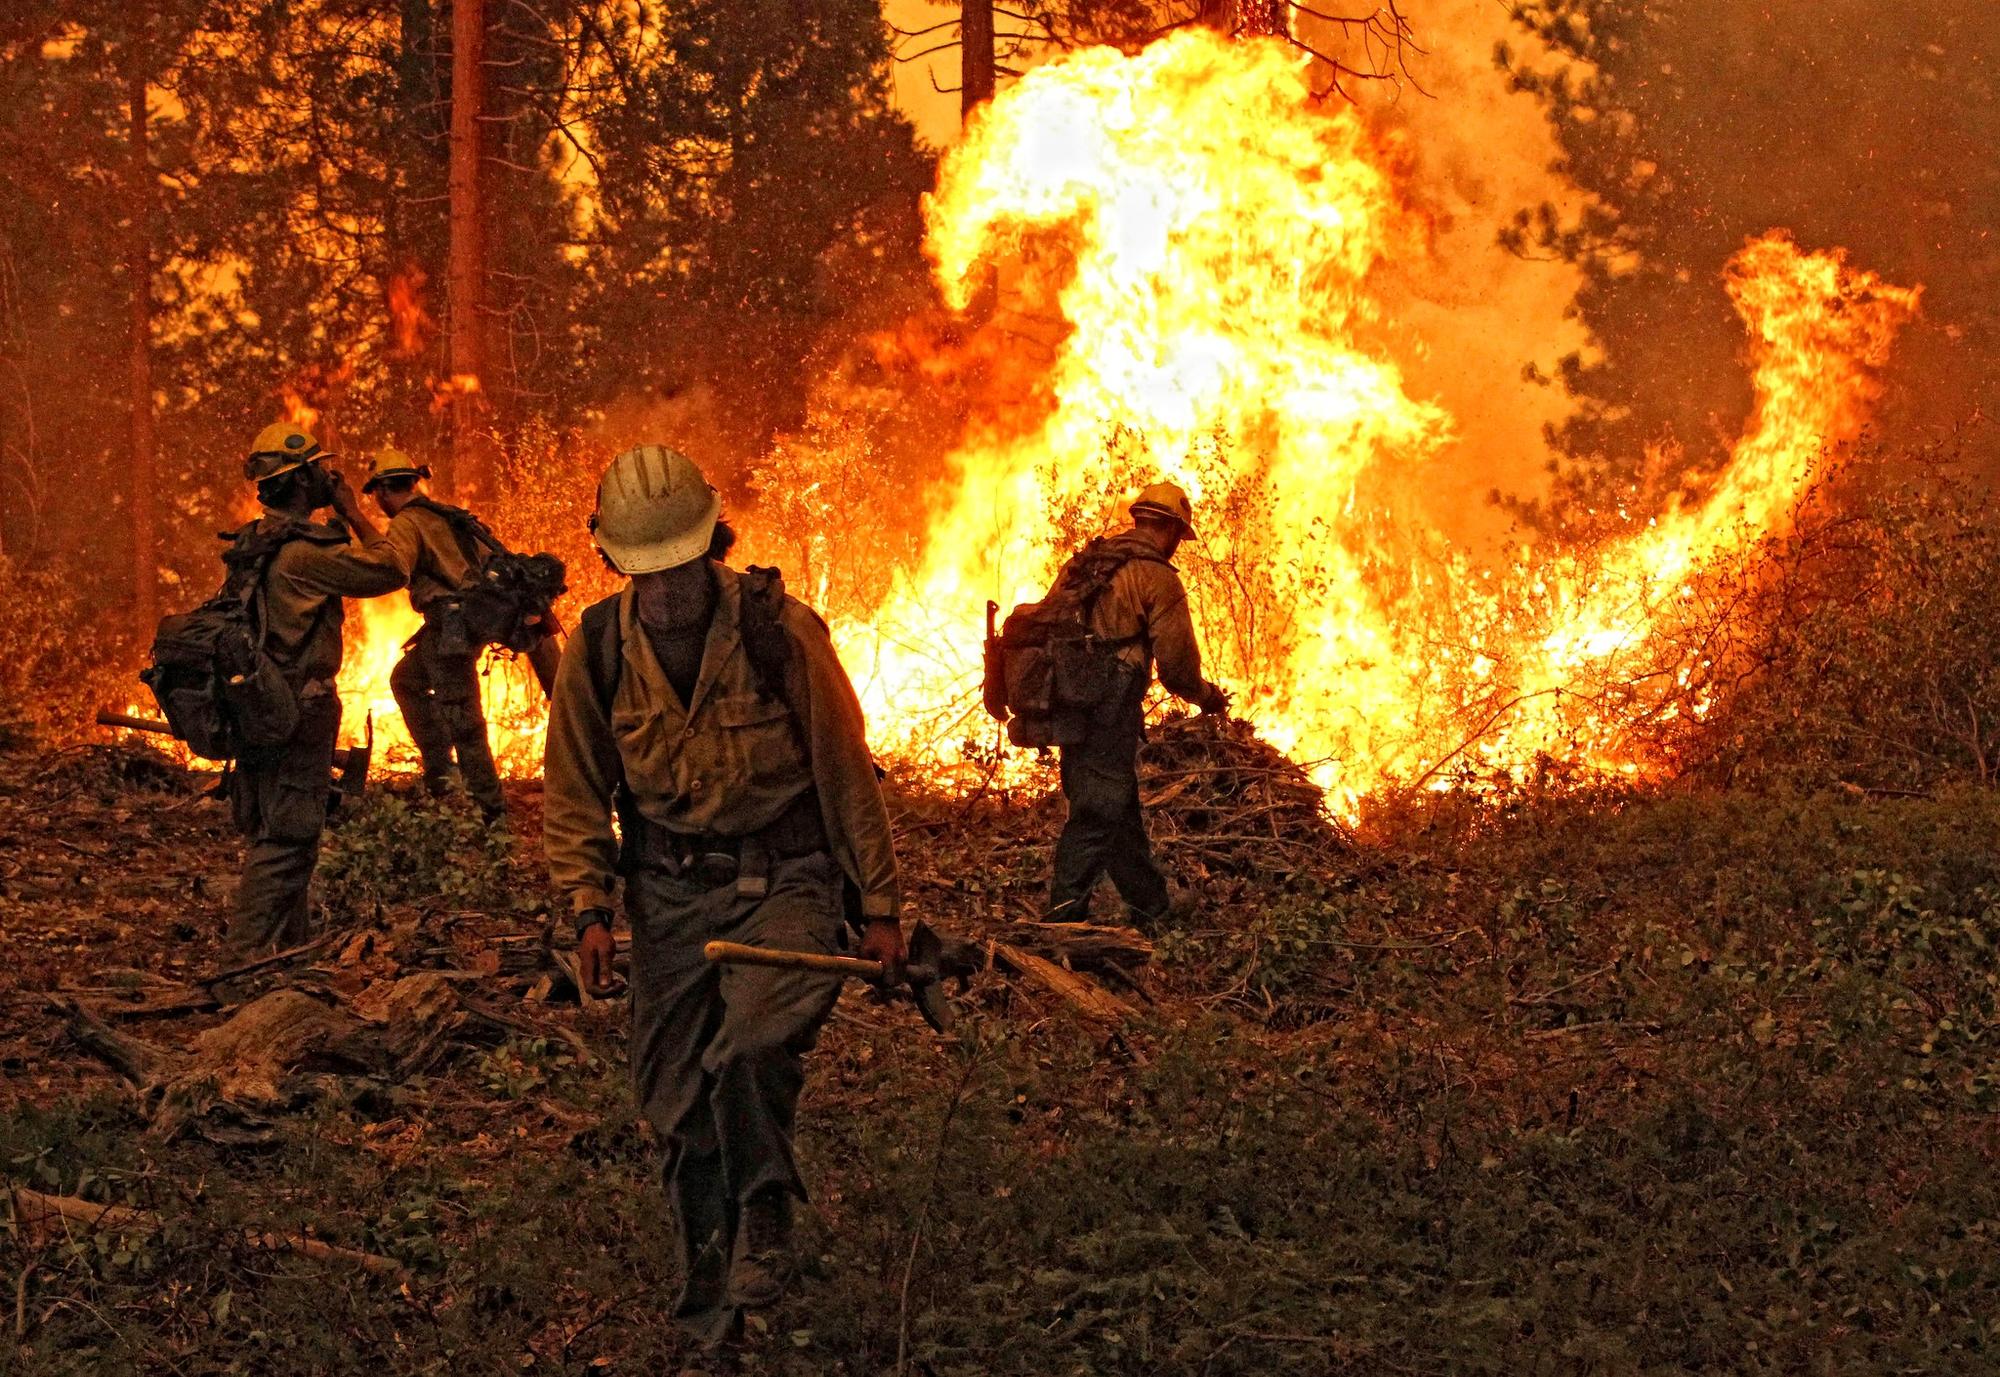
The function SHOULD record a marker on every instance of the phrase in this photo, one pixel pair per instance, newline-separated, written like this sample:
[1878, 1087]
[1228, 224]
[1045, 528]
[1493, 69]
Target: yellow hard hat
[654, 510]
[280, 448]
[1164, 499]
[393, 463]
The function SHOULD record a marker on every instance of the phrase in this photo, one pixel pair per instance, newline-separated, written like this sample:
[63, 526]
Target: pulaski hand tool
[923, 972]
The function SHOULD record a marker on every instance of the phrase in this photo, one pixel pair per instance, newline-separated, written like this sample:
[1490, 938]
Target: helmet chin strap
[320, 491]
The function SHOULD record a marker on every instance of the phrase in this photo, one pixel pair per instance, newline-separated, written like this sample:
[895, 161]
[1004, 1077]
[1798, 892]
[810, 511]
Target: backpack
[1047, 673]
[510, 598]
[220, 688]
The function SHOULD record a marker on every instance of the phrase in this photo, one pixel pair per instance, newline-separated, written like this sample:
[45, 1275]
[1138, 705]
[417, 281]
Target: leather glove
[595, 948]
[882, 940]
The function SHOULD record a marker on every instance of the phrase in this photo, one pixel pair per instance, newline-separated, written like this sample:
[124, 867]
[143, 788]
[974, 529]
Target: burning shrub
[60, 660]
[547, 489]
[824, 511]
[1859, 650]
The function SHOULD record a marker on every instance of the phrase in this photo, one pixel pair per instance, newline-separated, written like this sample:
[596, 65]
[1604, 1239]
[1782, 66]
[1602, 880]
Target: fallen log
[262, 1058]
[1085, 946]
[137, 1062]
[1082, 993]
[34, 1207]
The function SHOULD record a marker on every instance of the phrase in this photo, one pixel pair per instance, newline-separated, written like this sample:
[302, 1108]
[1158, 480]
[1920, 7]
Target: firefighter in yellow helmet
[1143, 609]
[439, 550]
[296, 571]
[710, 712]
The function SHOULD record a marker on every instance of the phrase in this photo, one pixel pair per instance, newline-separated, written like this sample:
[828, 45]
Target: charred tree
[139, 268]
[1243, 17]
[468, 243]
[976, 59]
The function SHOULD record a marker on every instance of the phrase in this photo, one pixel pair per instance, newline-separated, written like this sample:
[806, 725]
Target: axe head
[925, 969]
[354, 774]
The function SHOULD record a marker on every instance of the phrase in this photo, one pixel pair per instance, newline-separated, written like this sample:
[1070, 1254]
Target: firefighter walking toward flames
[711, 712]
[299, 569]
[439, 550]
[1132, 600]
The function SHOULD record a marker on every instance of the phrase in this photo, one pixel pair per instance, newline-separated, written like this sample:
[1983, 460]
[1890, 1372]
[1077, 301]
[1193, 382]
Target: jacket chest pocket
[756, 739]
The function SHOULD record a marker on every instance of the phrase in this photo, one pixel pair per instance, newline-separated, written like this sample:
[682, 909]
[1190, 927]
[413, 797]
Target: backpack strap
[253, 551]
[765, 640]
[474, 536]
[604, 659]
[1094, 567]
[603, 650]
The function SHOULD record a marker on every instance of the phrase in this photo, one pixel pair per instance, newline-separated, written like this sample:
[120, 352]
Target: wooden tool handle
[736, 954]
[108, 718]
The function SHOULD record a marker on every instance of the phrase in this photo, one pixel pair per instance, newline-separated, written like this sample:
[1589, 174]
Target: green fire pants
[718, 1051]
[278, 796]
[1106, 829]
[438, 693]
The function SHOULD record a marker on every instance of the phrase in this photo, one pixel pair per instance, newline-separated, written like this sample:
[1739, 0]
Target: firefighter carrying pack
[1048, 674]
[221, 689]
[765, 641]
[509, 599]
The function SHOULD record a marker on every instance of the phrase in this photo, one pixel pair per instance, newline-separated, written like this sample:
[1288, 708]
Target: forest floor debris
[1632, 1082]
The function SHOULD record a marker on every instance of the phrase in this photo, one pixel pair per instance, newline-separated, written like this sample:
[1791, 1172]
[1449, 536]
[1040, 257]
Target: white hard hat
[654, 510]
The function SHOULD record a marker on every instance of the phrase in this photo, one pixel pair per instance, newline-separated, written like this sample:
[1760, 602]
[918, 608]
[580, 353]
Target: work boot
[764, 1263]
[1182, 908]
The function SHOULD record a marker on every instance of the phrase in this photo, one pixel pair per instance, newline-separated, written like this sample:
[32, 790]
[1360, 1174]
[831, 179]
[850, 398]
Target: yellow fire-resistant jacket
[727, 768]
[302, 591]
[1146, 603]
[421, 546]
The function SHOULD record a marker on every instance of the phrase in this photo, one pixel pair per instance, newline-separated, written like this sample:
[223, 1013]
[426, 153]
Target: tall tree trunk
[139, 268]
[468, 249]
[975, 48]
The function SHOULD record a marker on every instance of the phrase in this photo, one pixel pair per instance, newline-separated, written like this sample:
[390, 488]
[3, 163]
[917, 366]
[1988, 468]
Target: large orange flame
[1206, 233]
[1202, 238]
[375, 632]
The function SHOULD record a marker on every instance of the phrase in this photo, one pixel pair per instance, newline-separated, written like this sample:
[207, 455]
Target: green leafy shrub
[407, 849]
[1858, 650]
[1918, 969]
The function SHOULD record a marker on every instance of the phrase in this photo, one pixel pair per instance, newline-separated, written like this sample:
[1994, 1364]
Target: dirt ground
[1562, 1085]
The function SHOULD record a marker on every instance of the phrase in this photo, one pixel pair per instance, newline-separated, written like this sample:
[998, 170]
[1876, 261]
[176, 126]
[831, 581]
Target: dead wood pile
[1220, 800]
[274, 1052]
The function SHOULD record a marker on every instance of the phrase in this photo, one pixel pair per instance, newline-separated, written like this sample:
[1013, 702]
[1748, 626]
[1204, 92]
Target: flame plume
[1200, 236]
[1178, 257]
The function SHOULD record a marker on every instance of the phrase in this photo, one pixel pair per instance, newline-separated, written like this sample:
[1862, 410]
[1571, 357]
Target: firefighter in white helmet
[1143, 609]
[711, 714]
